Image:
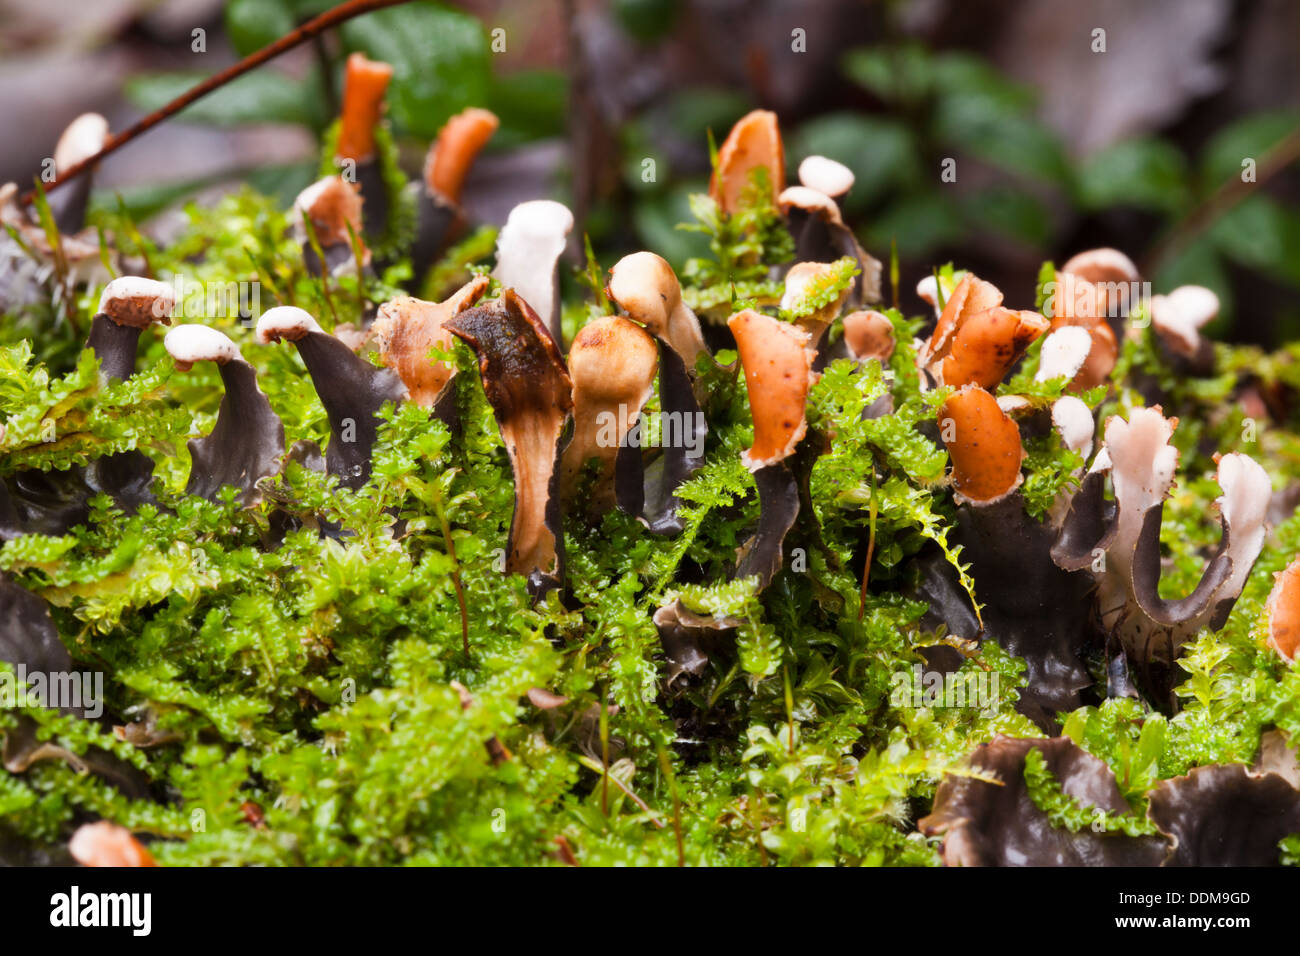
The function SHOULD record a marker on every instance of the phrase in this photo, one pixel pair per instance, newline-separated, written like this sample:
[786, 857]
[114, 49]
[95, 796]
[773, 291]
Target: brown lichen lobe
[777, 358]
[646, 288]
[976, 340]
[453, 152]
[983, 443]
[869, 334]
[753, 143]
[1283, 612]
[528, 386]
[365, 82]
[407, 329]
[613, 363]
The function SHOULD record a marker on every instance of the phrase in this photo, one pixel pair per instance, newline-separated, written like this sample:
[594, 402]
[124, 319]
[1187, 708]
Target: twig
[1220, 201]
[312, 28]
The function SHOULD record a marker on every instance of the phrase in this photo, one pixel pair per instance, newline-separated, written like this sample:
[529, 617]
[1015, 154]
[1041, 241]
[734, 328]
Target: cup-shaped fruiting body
[84, 137]
[613, 363]
[976, 341]
[1178, 318]
[1119, 542]
[247, 442]
[826, 176]
[529, 247]
[753, 143]
[365, 82]
[407, 329]
[1283, 612]
[868, 334]
[439, 218]
[127, 306]
[777, 358]
[1091, 288]
[351, 389]
[969, 297]
[801, 282]
[927, 290]
[646, 288]
[528, 386]
[331, 209]
[984, 445]
[988, 344]
[107, 844]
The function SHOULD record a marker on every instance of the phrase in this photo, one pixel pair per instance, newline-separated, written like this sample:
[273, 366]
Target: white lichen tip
[538, 219]
[137, 301]
[1179, 316]
[1247, 491]
[83, 138]
[285, 322]
[1143, 462]
[826, 176]
[1063, 353]
[188, 344]
[529, 245]
[1102, 265]
[1073, 422]
[810, 200]
[1013, 404]
[800, 279]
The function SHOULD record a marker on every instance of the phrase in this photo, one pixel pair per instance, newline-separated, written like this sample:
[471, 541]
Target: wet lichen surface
[933, 621]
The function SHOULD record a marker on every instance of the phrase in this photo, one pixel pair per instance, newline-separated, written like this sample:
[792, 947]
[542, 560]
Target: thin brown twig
[312, 28]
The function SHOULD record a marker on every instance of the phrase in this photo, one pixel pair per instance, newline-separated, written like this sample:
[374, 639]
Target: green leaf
[1248, 138]
[1013, 212]
[253, 24]
[440, 60]
[531, 104]
[1145, 173]
[263, 96]
[1262, 234]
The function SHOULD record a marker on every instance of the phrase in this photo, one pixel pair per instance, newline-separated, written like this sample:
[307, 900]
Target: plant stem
[871, 545]
[312, 28]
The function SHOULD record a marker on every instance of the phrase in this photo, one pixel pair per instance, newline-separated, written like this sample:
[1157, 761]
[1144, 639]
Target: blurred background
[1133, 123]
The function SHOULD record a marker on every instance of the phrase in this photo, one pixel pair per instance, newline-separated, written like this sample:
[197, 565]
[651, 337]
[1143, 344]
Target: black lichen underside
[352, 391]
[244, 446]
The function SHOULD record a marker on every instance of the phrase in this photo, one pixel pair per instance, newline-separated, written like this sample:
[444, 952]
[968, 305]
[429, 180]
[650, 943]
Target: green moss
[314, 676]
